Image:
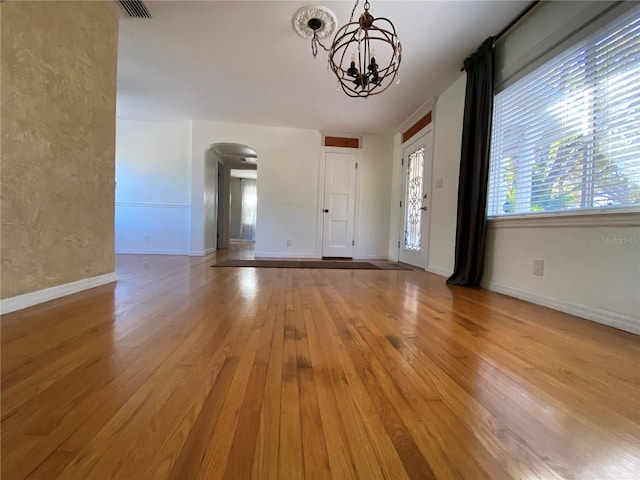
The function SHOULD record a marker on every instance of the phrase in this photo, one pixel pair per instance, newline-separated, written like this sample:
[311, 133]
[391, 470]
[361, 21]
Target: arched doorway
[230, 194]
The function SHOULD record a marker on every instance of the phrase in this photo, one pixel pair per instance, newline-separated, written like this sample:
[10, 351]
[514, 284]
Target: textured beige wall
[58, 89]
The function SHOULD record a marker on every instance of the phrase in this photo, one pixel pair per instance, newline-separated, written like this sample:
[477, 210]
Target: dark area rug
[328, 264]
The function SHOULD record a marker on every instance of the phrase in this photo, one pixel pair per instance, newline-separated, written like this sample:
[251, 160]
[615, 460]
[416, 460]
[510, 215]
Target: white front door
[416, 172]
[339, 204]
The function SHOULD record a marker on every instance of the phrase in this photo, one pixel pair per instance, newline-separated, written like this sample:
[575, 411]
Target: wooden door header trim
[416, 127]
[344, 142]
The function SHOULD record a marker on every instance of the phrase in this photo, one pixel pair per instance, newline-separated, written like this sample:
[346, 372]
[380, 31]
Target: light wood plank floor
[183, 371]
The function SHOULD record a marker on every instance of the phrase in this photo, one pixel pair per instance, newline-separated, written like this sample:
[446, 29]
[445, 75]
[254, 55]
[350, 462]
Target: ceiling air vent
[135, 8]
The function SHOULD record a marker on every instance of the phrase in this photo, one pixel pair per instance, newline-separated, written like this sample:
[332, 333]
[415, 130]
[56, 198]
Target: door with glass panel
[416, 173]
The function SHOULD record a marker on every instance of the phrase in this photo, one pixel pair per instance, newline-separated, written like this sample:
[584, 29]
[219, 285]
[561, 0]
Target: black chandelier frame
[363, 77]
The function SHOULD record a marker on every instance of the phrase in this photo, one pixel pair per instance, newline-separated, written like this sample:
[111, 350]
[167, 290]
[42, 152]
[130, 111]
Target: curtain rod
[513, 22]
[516, 20]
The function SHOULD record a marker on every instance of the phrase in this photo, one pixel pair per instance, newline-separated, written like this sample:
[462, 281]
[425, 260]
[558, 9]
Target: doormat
[327, 264]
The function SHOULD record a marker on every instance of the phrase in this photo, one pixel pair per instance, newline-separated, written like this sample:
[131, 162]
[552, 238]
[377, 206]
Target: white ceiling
[241, 61]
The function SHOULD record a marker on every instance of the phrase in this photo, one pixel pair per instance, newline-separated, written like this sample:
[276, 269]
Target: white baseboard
[201, 253]
[439, 271]
[8, 305]
[144, 251]
[605, 317]
[370, 257]
[259, 255]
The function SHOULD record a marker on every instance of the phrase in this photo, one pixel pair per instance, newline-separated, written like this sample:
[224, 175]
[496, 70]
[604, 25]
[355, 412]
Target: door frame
[418, 138]
[320, 204]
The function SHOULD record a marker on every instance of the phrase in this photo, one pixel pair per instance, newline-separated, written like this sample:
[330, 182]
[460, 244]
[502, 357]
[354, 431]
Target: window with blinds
[567, 135]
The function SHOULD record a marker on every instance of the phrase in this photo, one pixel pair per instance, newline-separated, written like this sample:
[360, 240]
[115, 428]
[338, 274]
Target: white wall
[153, 187]
[165, 193]
[592, 264]
[224, 206]
[591, 271]
[395, 213]
[289, 167]
[373, 189]
[210, 203]
[287, 184]
[236, 208]
[448, 114]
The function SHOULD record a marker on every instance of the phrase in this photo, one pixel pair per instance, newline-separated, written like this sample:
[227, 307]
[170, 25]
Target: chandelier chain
[353, 11]
[315, 41]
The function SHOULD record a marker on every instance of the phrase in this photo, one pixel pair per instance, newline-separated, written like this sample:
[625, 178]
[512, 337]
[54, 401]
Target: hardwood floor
[183, 371]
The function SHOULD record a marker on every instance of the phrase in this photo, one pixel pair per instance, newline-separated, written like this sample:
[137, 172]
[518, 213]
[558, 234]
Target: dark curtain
[474, 168]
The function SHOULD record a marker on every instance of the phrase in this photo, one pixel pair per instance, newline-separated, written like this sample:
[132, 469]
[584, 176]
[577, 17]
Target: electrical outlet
[538, 267]
[288, 242]
[439, 183]
[147, 239]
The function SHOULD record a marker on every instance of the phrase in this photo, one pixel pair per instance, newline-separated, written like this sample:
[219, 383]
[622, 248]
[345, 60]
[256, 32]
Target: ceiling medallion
[364, 55]
[316, 23]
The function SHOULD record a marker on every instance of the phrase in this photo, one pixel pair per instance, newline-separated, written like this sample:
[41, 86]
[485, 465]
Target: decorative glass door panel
[416, 181]
[413, 201]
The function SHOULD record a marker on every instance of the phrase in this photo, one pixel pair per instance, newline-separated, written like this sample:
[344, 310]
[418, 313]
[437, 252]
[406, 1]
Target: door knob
[423, 208]
[326, 210]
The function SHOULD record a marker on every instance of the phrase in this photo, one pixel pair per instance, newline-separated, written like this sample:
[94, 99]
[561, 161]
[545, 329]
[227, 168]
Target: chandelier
[364, 55]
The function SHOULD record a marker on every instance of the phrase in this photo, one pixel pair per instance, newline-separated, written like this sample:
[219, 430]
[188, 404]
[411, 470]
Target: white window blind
[567, 135]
